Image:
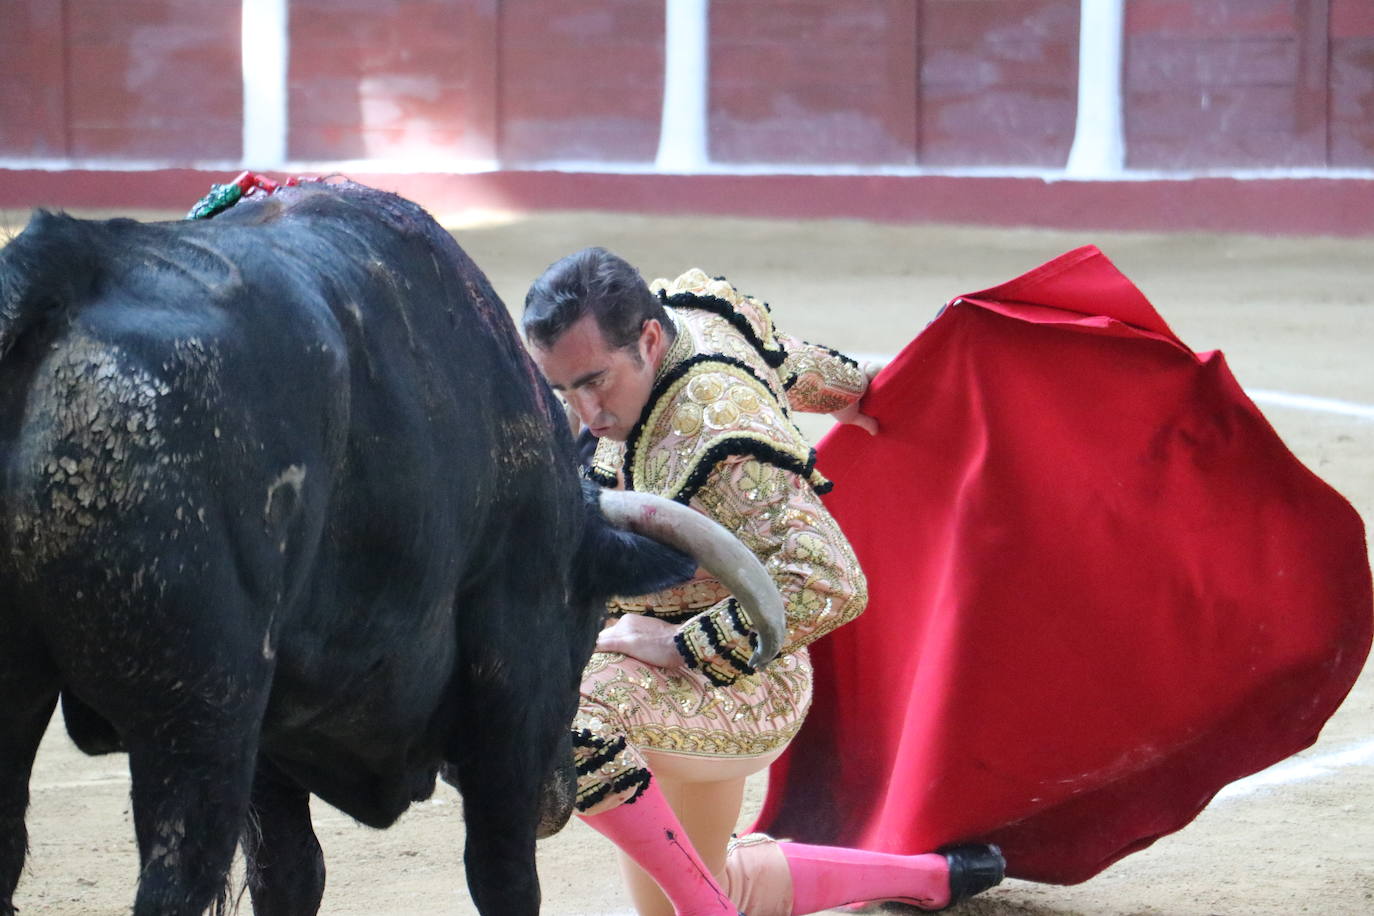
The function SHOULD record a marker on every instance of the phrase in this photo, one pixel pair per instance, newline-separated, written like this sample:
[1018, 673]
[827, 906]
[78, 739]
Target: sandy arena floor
[1293, 316]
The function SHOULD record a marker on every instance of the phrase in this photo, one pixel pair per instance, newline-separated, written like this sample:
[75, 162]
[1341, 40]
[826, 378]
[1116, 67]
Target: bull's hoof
[972, 870]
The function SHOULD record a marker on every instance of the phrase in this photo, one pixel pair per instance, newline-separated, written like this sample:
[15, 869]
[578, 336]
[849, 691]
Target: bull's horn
[715, 549]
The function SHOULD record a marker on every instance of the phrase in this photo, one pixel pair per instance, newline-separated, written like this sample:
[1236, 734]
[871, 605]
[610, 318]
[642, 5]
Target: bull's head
[607, 563]
[716, 550]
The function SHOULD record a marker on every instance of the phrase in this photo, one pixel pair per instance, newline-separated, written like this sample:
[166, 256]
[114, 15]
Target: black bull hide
[287, 510]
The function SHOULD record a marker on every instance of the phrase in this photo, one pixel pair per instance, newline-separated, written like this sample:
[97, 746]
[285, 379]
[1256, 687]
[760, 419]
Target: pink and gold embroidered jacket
[717, 435]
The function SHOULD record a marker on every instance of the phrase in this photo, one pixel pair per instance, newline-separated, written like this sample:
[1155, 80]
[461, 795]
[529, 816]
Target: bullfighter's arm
[819, 379]
[780, 518]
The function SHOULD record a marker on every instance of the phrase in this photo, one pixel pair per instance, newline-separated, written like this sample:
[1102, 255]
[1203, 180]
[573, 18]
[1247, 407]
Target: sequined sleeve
[819, 379]
[778, 516]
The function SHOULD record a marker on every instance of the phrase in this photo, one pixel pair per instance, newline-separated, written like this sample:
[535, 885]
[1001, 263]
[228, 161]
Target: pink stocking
[648, 831]
[829, 876]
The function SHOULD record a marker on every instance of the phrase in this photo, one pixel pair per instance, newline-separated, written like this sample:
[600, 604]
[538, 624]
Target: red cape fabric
[1101, 589]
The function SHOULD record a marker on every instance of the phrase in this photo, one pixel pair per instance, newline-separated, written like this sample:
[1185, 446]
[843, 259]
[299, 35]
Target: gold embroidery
[773, 512]
[736, 406]
[714, 743]
[749, 405]
[810, 546]
[655, 467]
[609, 458]
[599, 661]
[808, 604]
[704, 389]
[682, 346]
[745, 399]
[687, 420]
[751, 310]
[680, 712]
[757, 484]
[693, 595]
[822, 380]
[722, 415]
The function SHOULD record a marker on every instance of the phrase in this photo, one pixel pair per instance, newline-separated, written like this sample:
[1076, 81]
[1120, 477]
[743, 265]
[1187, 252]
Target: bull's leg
[190, 797]
[513, 720]
[285, 865]
[192, 736]
[500, 810]
[23, 718]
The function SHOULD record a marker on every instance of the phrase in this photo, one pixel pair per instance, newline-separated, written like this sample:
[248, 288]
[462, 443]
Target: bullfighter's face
[607, 386]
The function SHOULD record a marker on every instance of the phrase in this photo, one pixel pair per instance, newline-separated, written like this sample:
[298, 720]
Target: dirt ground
[1291, 315]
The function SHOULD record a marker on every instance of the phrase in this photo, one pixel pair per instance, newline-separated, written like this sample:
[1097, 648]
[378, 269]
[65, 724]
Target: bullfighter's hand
[853, 414]
[645, 638]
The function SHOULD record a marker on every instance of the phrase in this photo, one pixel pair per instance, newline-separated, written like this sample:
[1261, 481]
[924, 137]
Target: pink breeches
[635, 717]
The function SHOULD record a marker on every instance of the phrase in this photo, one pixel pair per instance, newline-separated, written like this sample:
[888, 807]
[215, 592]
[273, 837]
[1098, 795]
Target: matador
[690, 388]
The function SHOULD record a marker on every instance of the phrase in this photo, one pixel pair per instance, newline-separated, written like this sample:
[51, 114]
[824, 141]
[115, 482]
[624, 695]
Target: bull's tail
[44, 268]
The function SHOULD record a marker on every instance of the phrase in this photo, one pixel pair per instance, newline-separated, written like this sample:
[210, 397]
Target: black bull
[287, 510]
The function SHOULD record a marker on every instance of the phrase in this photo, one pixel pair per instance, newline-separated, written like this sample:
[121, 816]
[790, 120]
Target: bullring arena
[857, 164]
[1295, 318]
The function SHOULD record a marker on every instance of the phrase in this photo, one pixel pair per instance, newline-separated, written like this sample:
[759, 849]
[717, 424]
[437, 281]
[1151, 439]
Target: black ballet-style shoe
[973, 869]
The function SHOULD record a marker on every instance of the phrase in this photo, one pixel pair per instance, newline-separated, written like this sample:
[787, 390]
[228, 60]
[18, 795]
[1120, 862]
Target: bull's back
[154, 439]
[303, 426]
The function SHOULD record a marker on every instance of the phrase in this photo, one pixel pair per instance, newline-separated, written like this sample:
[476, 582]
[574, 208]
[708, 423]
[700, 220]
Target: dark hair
[591, 281]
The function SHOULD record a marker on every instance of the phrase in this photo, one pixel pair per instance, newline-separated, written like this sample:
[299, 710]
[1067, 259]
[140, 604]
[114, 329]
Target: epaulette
[766, 344]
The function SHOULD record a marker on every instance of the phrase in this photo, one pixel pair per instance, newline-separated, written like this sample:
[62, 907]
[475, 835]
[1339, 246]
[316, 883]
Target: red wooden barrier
[1352, 83]
[580, 81]
[1208, 84]
[894, 82]
[33, 117]
[391, 78]
[139, 79]
[998, 82]
[807, 81]
[1226, 83]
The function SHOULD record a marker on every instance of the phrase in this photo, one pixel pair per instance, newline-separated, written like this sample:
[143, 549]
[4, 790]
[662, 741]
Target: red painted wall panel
[33, 118]
[1352, 84]
[1352, 104]
[1156, 65]
[934, 82]
[799, 81]
[998, 82]
[391, 79]
[1193, 19]
[1209, 84]
[1352, 19]
[1226, 84]
[580, 81]
[155, 79]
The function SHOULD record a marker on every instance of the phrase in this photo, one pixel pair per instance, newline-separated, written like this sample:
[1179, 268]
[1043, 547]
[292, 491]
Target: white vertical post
[682, 136]
[265, 51]
[1099, 147]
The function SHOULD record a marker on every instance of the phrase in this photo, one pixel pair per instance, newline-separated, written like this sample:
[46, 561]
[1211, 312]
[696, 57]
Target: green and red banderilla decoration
[224, 196]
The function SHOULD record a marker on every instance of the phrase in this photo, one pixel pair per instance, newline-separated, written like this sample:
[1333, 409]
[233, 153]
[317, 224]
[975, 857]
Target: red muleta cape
[1101, 589]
